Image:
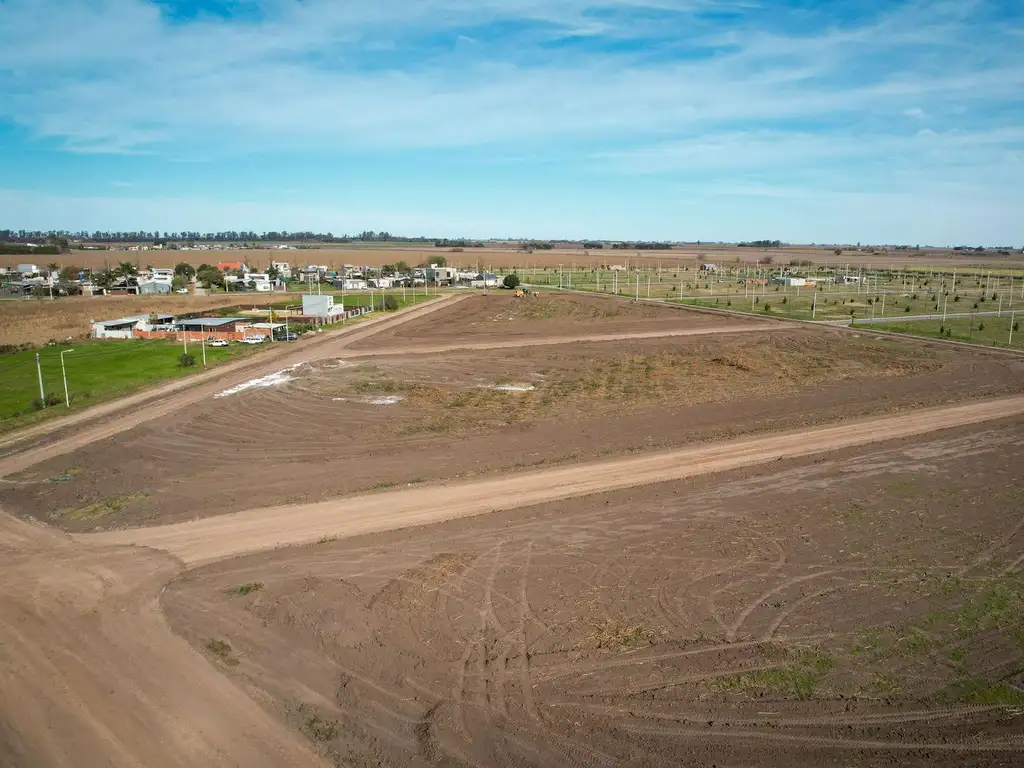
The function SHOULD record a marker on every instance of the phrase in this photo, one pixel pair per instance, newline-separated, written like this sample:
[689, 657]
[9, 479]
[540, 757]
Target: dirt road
[216, 538]
[90, 673]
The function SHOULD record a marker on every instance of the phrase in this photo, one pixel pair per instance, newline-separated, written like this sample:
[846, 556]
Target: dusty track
[226, 536]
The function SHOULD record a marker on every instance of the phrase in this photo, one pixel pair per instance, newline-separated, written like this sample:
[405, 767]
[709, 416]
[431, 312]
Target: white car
[182, 290]
[253, 340]
[220, 343]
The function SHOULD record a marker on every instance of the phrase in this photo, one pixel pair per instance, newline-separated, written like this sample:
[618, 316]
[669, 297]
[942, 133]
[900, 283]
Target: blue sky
[638, 119]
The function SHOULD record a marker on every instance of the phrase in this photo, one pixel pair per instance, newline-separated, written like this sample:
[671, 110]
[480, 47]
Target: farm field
[865, 609]
[393, 410]
[560, 530]
[502, 255]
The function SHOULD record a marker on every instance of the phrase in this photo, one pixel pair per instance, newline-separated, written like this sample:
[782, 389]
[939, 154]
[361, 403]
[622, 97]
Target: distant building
[283, 268]
[321, 306]
[126, 327]
[441, 275]
[708, 268]
[151, 287]
[27, 269]
[485, 280]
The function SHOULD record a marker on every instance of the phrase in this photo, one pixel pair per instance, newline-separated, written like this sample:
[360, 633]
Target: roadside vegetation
[1002, 331]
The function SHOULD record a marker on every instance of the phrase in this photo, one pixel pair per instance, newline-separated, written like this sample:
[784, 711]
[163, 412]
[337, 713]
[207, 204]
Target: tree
[185, 270]
[210, 276]
[69, 273]
[126, 270]
[511, 281]
[402, 268]
[274, 274]
[105, 279]
[439, 261]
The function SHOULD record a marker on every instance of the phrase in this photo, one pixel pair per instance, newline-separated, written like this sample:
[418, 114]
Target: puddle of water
[270, 380]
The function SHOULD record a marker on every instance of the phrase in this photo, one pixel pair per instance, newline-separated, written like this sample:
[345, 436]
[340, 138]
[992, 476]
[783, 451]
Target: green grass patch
[97, 370]
[247, 589]
[994, 333]
[222, 651]
[798, 679]
[100, 509]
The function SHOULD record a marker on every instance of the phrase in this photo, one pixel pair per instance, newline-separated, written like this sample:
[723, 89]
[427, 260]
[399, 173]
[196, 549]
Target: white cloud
[914, 112]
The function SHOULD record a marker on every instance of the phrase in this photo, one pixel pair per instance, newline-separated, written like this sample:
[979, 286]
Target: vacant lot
[860, 610]
[501, 316]
[339, 425]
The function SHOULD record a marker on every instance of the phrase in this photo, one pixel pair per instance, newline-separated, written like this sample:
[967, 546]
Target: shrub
[784, 300]
[1016, 325]
[942, 330]
[390, 303]
[906, 308]
[981, 326]
[956, 297]
[975, 305]
[767, 307]
[511, 281]
[186, 360]
[949, 333]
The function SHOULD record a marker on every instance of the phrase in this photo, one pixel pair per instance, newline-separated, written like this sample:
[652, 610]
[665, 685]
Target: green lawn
[97, 370]
[996, 330]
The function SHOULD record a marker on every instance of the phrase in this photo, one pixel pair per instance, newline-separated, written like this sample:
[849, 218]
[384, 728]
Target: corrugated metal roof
[212, 322]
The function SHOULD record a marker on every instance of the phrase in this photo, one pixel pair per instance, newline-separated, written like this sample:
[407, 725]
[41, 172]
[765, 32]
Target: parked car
[182, 290]
[253, 340]
[286, 337]
[219, 343]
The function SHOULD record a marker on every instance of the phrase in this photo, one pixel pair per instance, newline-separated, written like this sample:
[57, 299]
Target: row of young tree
[64, 237]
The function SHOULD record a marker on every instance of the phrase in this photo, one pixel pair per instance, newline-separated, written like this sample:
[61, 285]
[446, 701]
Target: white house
[284, 269]
[440, 275]
[708, 268]
[27, 269]
[261, 281]
[789, 280]
[351, 284]
[485, 280]
[320, 306]
[125, 327]
[159, 275]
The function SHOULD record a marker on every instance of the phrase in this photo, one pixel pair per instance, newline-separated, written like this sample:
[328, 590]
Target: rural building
[224, 266]
[159, 275]
[441, 275]
[708, 268]
[321, 306]
[485, 280]
[151, 287]
[128, 327]
[227, 328]
[789, 280]
[27, 269]
[848, 280]
[350, 284]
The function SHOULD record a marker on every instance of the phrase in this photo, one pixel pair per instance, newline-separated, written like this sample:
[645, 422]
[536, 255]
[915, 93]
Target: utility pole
[1009, 341]
[204, 345]
[64, 375]
[39, 370]
[814, 304]
[637, 285]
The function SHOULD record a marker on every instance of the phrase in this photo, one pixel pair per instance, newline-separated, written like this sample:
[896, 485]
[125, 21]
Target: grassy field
[97, 370]
[989, 331]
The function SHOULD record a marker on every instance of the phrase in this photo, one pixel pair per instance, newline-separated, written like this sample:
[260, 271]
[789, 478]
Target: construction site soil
[862, 609]
[336, 426]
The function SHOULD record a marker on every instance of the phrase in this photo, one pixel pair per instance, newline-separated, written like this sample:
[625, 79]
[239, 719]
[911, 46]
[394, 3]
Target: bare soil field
[860, 609]
[328, 427]
[501, 316]
[37, 321]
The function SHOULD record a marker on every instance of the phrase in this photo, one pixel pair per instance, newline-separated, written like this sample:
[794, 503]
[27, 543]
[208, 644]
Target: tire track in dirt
[211, 539]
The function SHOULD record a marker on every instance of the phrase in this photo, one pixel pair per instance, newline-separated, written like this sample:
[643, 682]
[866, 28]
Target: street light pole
[39, 370]
[64, 375]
